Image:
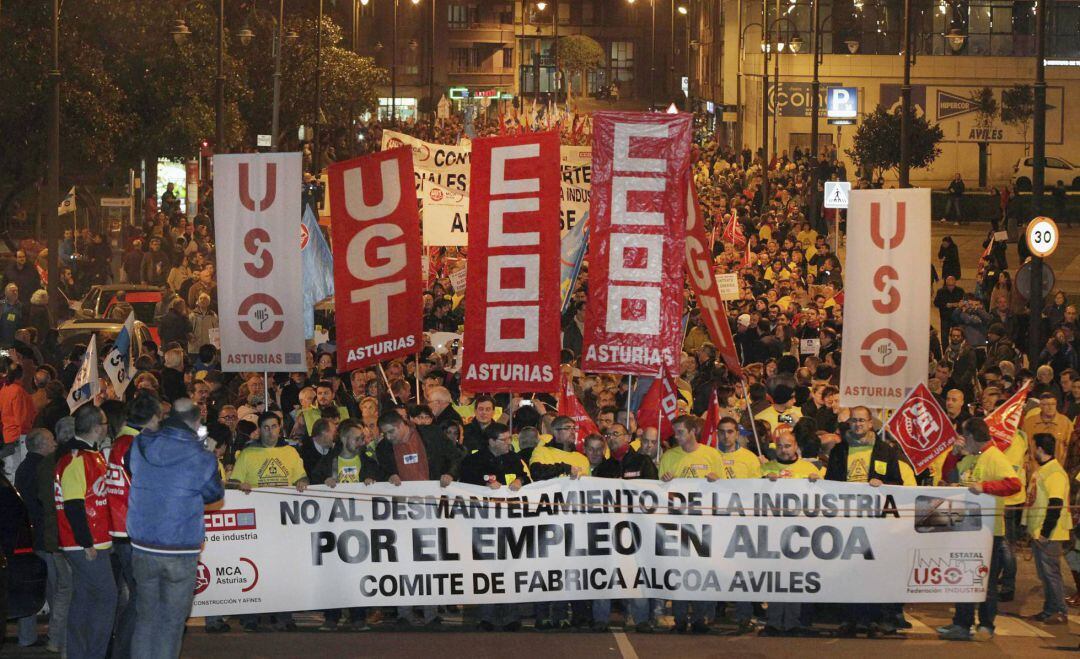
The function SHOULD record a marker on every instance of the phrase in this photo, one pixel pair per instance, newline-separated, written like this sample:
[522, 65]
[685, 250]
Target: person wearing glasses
[862, 457]
[625, 463]
[557, 459]
[84, 522]
[738, 462]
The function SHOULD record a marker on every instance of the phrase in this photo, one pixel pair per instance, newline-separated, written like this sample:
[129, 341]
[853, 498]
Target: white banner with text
[732, 540]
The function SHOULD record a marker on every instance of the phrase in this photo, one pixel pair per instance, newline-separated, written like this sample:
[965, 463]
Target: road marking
[1009, 626]
[626, 649]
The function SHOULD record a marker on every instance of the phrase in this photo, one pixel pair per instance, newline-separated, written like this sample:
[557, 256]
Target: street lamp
[245, 35]
[852, 44]
[180, 32]
[393, 63]
[766, 48]
[685, 13]
[1038, 175]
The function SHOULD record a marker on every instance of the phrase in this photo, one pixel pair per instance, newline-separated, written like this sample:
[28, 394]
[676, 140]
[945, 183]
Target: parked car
[100, 300]
[79, 330]
[22, 573]
[1057, 169]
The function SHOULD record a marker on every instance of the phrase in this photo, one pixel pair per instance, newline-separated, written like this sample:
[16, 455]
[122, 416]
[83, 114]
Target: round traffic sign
[1042, 236]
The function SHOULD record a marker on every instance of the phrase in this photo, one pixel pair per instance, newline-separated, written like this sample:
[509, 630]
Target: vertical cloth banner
[636, 252]
[119, 364]
[87, 382]
[318, 263]
[513, 265]
[256, 209]
[887, 308]
[569, 405]
[1004, 421]
[378, 290]
[699, 266]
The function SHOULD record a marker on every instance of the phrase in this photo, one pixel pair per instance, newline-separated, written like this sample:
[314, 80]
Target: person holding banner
[689, 459]
[992, 474]
[738, 462]
[414, 453]
[626, 463]
[496, 466]
[785, 618]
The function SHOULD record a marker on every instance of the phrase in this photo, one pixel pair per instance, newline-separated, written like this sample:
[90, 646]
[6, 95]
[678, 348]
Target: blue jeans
[125, 621]
[680, 609]
[965, 612]
[166, 589]
[93, 604]
[1047, 556]
[785, 616]
[638, 609]
[58, 594]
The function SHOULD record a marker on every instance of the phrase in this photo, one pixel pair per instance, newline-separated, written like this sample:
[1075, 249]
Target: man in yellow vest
[993, 475]
[1049, 523]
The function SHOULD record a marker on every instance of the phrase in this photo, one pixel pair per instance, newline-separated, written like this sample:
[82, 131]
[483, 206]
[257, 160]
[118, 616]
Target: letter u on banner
[376, 238]
[633, 322]
[512, 309]
[258, 262]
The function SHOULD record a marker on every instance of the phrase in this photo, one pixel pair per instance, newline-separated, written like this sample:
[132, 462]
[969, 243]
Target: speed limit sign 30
[1042, 236]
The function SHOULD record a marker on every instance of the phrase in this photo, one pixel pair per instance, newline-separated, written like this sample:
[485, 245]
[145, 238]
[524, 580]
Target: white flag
[68, 204]
[87, 385]
[119, 364]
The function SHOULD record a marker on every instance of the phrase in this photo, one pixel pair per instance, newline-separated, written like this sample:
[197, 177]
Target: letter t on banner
[636, 253]
[378, 292]
[513, 266]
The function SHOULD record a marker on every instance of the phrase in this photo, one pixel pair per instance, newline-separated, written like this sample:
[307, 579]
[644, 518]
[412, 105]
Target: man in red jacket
[17, 414]
[144, 414]
[83, 523]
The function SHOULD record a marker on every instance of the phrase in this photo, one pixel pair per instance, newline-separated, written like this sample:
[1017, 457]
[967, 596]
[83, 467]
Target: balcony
[481, 33]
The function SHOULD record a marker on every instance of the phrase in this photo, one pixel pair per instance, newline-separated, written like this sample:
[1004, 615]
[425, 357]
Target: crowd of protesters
[122, 578]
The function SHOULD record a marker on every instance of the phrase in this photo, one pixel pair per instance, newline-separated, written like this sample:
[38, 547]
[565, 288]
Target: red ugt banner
[513, 265]
[375, 231]
[699, 265]
[922, 428]
[633, 322]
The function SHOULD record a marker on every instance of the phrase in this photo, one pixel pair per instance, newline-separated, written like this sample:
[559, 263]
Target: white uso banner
[257, 223]
[733, 540]
[887, 296]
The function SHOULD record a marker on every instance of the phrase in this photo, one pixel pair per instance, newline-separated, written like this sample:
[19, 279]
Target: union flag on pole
[659, 406]
[922, 428]
[733, 232]
[709, 435]
[1004, 421]
[570, 406]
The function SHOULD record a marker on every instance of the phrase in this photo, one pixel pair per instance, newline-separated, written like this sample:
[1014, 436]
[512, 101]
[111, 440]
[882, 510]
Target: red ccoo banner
[638, 212]
[513, 266]
[699, 266]
[376, 239]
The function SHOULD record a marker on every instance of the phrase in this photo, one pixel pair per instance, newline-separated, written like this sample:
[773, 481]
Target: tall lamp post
[431, 66]
[685, 13]
[815, 105]
[393, 64]
[51, 217]
[316, 156]
[652, 56]
[766, 47]
[1038, 175]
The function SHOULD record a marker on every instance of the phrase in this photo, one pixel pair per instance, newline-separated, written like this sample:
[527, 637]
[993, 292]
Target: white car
[1057, 169]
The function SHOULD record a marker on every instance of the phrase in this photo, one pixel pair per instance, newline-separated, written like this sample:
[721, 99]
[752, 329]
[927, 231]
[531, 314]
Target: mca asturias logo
[243, 573]
[947, 569]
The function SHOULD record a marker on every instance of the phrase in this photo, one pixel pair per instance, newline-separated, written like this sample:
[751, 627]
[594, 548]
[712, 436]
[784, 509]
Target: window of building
[460, 16]
[564, 13]
[588, 13]
[622, 61]
[507, 58]
[464, 59]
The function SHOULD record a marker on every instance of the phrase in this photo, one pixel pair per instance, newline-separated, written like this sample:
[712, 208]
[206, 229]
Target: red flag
[659, 406]
[513, 265]
[733, 232]
[699, 266]
[570, 406]
[376, 233]
[633, 320]
[922, 428]
[1004, 421]
[709, 435]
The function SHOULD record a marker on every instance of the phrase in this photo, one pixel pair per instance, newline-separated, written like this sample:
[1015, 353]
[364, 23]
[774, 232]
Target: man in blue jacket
[173, 478]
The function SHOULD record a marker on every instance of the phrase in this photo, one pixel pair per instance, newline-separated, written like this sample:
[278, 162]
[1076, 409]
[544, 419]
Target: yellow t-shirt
[1051, 482]
[348, 469]
[697, 464]
[1017, 456]
[259, 466]
[992, 465]
[858, 464]
[799, 469]
[791, 415]
[546, 454]
[907, 474]
[740, 463]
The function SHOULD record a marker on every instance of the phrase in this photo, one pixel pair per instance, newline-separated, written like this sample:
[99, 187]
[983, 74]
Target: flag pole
[750, 415]
[629, 394]
[659, 412]
[382, 372]
[416, 372]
